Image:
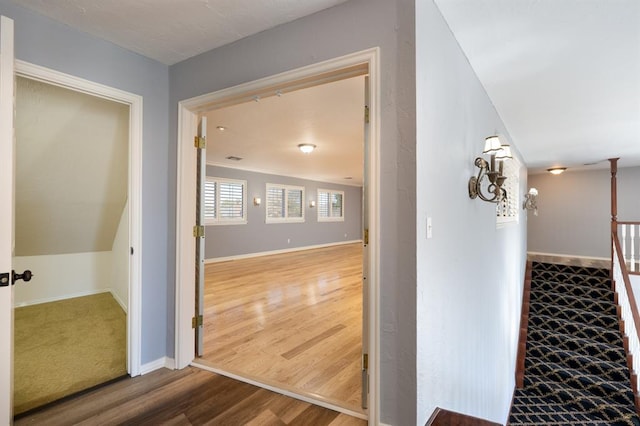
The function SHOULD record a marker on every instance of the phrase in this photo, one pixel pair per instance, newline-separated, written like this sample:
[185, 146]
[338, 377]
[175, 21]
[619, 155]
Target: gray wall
[257, 236]
[347, 28]
[574, 210]
[470, 274]
[45, 42]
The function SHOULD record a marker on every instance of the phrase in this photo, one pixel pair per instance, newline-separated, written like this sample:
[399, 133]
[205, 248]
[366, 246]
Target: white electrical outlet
[429, 228]
[288, 240]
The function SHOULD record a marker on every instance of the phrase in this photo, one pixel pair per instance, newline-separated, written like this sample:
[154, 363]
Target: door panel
[365, 254]
[200, 255]
[6, 218]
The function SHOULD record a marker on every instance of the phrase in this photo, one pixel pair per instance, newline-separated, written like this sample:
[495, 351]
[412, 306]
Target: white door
[365, 253]
[6, 219]
[200, 197]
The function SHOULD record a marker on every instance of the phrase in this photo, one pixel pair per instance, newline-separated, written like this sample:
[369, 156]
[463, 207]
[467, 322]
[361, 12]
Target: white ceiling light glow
[306, 147]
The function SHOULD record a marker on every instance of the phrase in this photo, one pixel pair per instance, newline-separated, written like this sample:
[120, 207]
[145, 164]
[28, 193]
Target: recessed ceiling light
[306, 147]
[221, 128]
[556, 170]
[233, 158]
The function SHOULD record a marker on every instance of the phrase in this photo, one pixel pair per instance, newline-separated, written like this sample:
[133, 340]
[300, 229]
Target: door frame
[56, 78]
[188, 111]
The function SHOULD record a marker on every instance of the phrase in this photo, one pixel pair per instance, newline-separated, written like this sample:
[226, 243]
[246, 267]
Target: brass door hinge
[198, 231]
[200, 142]
[365, 361]
[366, 114]
[366, 237]
[196, 321]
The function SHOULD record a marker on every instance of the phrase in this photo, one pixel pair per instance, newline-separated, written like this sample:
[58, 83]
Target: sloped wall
[71, 170]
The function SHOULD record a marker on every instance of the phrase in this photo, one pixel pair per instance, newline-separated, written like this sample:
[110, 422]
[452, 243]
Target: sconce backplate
[473, 187]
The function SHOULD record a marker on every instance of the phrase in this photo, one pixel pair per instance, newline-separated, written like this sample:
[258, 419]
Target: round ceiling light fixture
[306, 147]
[556, 170]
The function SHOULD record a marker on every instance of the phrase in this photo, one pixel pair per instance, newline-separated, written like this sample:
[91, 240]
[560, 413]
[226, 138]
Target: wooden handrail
[619, 222]
[524, 324]
[627, 283]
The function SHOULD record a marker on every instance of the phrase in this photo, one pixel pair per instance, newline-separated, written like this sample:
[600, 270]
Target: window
[330, 205]
[285, 203]
[508, 210]
[225, 201]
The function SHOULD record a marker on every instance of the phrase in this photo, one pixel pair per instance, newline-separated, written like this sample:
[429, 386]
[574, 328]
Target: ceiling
[564, 75]
[266, 133]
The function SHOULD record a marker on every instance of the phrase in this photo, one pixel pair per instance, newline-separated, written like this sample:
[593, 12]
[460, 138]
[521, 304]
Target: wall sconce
[256, 201]
[312, 204]
[499, 153]
[531, 201]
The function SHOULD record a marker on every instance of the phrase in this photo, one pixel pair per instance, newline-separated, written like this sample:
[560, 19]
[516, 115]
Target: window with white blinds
[508, 210]
[225, 201]
[330, 205]
[285, 203]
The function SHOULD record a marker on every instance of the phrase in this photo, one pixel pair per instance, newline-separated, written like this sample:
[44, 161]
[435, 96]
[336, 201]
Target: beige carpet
[67, 346]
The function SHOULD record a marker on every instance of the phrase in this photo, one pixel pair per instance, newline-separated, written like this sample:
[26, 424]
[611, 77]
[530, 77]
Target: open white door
[6, 219]
[365, 253]
[201, 145]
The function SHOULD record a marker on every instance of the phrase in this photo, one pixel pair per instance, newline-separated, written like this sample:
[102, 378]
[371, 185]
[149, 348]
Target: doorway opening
[263, 195]
[77, 227]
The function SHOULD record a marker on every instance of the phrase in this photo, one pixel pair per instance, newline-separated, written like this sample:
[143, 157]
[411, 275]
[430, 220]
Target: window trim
[217, 221]
[330, 218]
[285, 218]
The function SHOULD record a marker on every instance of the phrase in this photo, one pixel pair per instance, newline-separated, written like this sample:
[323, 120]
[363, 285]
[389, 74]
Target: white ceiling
[564, 75]
[266, 133]
[170, 31]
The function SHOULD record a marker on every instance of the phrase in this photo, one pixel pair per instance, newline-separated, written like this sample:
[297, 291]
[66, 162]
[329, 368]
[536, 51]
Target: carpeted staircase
[575, 365]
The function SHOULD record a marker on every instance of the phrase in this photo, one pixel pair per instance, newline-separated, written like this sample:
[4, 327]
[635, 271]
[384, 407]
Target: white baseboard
[164, 362]
[120, 302]
[67, 296]
[567, 259]
[282, 251]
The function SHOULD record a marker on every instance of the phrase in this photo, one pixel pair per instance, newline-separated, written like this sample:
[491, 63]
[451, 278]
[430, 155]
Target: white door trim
[188, 111]
[134, 309]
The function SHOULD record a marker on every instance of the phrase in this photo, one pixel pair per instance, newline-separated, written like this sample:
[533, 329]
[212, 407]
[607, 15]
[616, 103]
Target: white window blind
[225, 201]
[330, 205]
[285, 203]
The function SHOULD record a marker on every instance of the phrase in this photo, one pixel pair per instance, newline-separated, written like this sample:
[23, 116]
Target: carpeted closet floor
[65, 347]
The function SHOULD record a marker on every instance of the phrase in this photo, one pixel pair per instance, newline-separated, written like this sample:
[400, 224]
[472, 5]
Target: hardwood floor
[292, 321]
[185, 397]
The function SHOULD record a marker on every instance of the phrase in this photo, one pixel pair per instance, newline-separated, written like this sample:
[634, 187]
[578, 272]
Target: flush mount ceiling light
[221, 128]
[306, 147]
[556, 170]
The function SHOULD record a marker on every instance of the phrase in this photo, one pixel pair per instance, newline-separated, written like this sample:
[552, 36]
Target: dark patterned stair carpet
[575, 366]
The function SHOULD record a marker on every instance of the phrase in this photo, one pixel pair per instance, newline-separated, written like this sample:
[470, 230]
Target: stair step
[577, 329]
[594, 374]
[568, 384]
[573, 302]
[616, 371]
[579, 290]
[569, 278]
[548, 338]
[582, 270]
[578, 315]
[531, 410]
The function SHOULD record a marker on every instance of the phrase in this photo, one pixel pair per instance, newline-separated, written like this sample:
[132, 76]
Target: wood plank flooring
[185, 397]
[292, 320]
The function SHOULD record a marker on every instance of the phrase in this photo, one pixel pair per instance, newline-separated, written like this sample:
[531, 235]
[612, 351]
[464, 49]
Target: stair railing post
[614, 205]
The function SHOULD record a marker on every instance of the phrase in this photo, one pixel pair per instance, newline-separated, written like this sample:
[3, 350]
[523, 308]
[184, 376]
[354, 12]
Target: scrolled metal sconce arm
[496, 180]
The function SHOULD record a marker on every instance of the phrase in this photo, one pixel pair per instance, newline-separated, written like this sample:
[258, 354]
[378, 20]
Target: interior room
[283, 241]
[72, 231]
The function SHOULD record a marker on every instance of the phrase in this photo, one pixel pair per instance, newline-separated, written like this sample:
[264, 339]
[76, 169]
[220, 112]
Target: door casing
[56, 78]
[188, 113]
